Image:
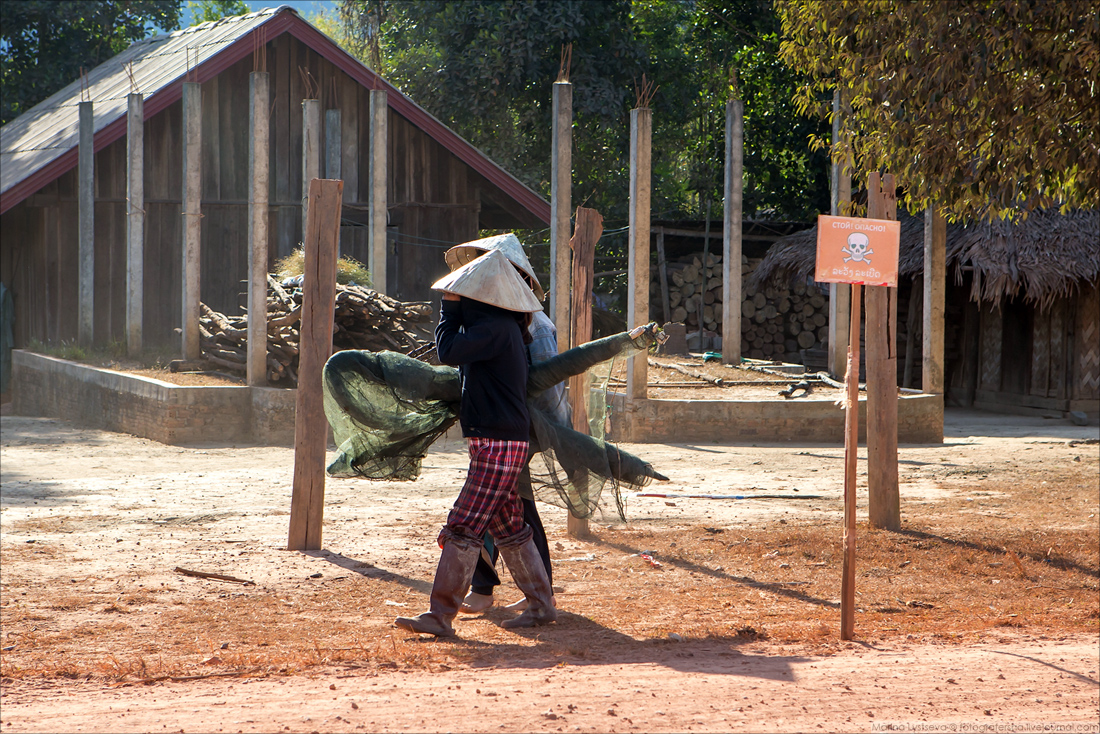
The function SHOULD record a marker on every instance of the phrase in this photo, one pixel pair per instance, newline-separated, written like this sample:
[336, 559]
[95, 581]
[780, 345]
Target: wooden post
[586, 234]
[307, 502]
[731, 232]
[259, 111]
[637, 304]
[839, 293]
[135, 221]
[851, 452]
[912, 329]
[86, 215]
[379, 147]
[883, 502]
[935, 274]
[561, 186]
[662, 273]
[192, 214]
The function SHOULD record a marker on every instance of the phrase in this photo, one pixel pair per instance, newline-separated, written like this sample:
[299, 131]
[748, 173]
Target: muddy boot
[525, 565]
[452, 579]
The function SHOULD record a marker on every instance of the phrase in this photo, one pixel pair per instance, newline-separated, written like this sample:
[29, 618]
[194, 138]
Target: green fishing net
[387, 408]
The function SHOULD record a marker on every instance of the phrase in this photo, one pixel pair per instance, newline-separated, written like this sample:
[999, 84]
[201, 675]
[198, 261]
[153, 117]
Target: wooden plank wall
[434, 199]
[1086, 368]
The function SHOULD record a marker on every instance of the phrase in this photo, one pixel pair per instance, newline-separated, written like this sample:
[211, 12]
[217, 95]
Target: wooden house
[1022, 309]
[440, 189]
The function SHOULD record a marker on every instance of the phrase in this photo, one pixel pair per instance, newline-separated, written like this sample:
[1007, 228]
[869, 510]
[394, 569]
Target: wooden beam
[86, 216]
[561, 188]
[662, 273]
[310, 425]
[379, 193]
[731, 233]
[192, 216]
[637, 306]
[935, 276]
[135, 221]
[883, 505]
[586, 234]
[259, 111]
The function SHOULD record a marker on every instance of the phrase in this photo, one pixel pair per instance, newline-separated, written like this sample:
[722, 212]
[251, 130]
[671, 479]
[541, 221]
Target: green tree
[45, 43]
[203, 11]
[988, 109]
[486, 68]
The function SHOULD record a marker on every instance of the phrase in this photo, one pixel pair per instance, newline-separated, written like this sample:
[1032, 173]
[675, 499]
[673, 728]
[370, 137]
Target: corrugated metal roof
[51, 128]
[41, 144]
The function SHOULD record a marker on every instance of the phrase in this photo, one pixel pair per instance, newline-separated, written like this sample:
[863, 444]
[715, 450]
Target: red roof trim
[322, 44]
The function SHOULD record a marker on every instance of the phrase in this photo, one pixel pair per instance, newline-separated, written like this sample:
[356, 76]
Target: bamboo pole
[637, 308]
[192, 214]
[731, 232]
[377, 262]
[851, 452]
[86, 215]
[561, 185]
[839, 293]
[883, 501]
[135, 220]
[259, 110]
[310, 425]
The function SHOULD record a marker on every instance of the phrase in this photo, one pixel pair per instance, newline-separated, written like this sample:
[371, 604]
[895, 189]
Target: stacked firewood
[777, 322]
[364, 319]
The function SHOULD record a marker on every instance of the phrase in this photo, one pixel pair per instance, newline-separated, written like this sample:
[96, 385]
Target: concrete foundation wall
[171, 414]
[920, 420]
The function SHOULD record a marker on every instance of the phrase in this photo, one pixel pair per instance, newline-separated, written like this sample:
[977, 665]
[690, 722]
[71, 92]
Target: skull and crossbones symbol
[858, 249]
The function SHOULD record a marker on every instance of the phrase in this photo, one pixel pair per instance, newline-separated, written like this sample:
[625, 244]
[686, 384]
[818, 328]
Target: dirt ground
[983, 612]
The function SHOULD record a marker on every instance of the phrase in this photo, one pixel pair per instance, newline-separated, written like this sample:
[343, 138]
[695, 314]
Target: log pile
[364, 319]
[777, 322]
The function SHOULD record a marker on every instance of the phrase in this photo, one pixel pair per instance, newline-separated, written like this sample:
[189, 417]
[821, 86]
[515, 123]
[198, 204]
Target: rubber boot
[452, 580]
[529, 573]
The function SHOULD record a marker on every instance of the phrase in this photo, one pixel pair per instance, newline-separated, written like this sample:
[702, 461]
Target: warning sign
[857, 250]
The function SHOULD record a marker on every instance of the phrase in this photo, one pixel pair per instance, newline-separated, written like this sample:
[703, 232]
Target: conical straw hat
[509, 244]
[491, 279]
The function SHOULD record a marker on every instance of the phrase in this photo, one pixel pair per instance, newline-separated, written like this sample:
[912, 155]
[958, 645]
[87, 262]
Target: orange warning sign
[857, 250]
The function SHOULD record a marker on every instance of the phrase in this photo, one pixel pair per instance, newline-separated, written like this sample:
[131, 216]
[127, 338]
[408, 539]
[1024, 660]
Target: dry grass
[718, 587]
[1014, 552]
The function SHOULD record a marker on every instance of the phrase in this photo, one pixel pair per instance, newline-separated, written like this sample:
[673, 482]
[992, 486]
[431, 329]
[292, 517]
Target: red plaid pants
[488, 500]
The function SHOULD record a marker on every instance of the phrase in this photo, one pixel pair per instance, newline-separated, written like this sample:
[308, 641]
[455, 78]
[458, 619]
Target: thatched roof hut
[1045, 257]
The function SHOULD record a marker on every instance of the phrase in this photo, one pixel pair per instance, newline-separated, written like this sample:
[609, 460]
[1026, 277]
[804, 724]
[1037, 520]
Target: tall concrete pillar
[86, 216]
[311, 153]
[379, 176]
[192, 214]
[637, 308]
[561, 192]
[840, 294]
[731, 232]
[259, 112]
[935, 275]
[135, 220]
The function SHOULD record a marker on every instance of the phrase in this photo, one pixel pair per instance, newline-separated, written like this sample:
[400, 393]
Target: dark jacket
[486, 344]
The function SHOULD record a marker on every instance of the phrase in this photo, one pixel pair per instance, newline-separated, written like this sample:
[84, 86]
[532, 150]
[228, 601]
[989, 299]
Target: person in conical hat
[543, 346]
[509, 245]
[485, 311]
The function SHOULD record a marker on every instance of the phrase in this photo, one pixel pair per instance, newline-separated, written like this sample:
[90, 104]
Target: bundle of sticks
[364, 319]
